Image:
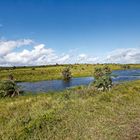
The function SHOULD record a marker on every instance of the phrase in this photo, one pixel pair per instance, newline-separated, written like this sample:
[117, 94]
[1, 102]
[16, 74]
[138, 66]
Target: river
[55, 85]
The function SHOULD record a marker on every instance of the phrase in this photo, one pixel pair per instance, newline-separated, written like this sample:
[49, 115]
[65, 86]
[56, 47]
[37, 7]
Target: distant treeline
[40, 66]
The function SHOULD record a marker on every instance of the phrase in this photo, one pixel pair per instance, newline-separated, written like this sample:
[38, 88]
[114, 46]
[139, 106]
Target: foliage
[125, 66]
[10, 77]
[33, 68]
[14, 67]
[66, 73]
[8, 88]
[103, 78]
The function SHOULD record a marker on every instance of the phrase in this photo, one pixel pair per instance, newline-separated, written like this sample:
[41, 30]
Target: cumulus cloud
[64, 59]
[38, 55]
[83, 58]
[129, 55]
[41, 55]
[7, 46]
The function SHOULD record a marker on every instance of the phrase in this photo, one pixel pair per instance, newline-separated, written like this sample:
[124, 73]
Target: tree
[66, 73]
[8, 88]
[103, 79]
[125, 66]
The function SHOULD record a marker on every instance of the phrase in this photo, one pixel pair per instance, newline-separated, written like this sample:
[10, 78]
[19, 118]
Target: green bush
[103, 79]
[66, 73]
[10, 77]
[33, 68]
[8, 88]
[125, 66]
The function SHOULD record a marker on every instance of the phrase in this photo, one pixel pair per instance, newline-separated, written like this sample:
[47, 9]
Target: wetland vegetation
[81, 112]
[41, 73]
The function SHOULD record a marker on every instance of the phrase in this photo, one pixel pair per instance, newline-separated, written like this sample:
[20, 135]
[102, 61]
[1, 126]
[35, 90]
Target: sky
[41, 32]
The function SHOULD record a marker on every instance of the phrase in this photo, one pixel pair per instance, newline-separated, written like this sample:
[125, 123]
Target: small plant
[103, 79]
[8, 89]
[66, 73]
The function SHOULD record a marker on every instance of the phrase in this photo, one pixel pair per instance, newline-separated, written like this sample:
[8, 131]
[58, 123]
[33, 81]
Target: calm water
[53, 85]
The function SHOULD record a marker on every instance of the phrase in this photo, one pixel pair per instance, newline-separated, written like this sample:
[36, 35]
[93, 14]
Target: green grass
[54, 72]
[76, 114]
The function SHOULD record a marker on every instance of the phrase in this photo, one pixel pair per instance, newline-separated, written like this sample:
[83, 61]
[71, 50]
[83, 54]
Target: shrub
[103, 79]
[33, 68]
[8, 88]
[66, 73]
[14, 67]
[10, 77]
[125, 66]
[83, 68]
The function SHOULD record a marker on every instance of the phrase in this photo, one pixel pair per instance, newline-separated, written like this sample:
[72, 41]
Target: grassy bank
[53, 72]
[75, 114]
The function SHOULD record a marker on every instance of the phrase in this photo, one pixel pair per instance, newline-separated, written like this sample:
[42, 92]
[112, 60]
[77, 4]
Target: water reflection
[66, 83]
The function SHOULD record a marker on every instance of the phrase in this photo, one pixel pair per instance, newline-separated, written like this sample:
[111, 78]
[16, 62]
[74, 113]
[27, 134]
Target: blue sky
[92, 28]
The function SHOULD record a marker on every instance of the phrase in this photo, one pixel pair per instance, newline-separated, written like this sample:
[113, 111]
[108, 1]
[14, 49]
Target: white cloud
[38, 55]
[83, 58]
[7, 46]
[64, 59]
[41, 55]
[129, 55]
